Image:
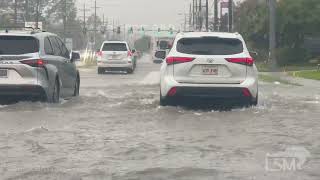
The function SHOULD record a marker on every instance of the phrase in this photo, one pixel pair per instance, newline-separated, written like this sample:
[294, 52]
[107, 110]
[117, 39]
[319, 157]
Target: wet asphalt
[117, 130]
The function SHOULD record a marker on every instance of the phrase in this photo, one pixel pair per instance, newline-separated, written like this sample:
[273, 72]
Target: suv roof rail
[32, 29]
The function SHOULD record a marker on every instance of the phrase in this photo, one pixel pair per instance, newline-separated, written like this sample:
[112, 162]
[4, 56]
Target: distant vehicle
[116, 56]
[163, 45]
[37, 65]
[159, 56]
[204, 65]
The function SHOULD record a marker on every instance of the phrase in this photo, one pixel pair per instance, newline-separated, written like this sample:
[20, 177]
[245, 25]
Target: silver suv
[36, 65]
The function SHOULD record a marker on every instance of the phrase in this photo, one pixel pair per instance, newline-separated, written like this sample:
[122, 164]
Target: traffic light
[119, 30]
[159, 29]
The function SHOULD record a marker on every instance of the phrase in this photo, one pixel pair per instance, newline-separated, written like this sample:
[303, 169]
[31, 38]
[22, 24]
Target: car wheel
[55, 97]
[77, 88]
[255, 100]
[164, 101]
[100, 71]
[130, 71]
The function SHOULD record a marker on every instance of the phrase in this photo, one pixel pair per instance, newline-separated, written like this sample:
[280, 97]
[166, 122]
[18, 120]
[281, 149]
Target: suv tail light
[246, 92]
[99, 53]
[245, 61]
[172, 91]
[34, 62]
[178, 60]
[129, 53]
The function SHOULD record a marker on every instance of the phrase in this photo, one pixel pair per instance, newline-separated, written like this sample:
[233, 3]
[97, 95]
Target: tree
[251, 20]
[296, 20]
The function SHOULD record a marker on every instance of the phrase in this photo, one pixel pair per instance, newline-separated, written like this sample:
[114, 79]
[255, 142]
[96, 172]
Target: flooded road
[117, 130]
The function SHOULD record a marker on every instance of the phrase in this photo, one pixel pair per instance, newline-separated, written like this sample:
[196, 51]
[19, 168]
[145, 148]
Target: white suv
[116, 56]
[209, 65]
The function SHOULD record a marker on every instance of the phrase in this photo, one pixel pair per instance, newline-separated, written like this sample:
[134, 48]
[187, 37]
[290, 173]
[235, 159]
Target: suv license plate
[3, 73]
[210, 70]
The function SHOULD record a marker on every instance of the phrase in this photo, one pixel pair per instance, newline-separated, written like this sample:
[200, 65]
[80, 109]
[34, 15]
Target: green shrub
[286, 56]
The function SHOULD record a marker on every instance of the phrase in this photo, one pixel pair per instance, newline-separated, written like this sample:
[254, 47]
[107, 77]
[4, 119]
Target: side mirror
[254, 53]
[75, 56]
[160, 54]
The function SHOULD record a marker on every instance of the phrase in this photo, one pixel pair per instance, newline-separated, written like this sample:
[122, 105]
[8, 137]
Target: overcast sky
[147, 12]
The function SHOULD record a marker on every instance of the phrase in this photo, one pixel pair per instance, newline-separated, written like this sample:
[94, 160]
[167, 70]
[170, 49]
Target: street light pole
[272, 35]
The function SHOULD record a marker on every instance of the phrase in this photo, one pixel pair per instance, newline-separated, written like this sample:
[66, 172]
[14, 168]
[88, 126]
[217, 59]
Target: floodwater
[117, 130]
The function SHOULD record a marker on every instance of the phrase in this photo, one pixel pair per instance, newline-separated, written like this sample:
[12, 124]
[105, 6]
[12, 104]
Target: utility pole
[37, 14]
[196, 15]
[113, 29]
[200, 15]
[103, 20]
[27, 10]
[15, 13]
[230, 7]
[185, 22]
[64, 20]
[190, 16]
[207, 15]
[216, 15]
[272, 35]
[85, 31]
[84, 18]
[193, 14]
[95, 23]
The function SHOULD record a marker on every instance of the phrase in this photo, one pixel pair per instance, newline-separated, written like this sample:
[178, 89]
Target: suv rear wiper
[201, 52]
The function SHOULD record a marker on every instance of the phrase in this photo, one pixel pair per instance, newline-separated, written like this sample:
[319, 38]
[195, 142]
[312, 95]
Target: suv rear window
[210, 46]
[159, 54]
[163, 44]
[16, 45]
[114, 47]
